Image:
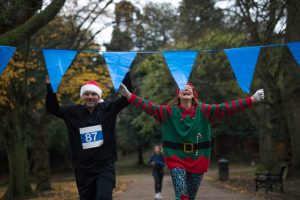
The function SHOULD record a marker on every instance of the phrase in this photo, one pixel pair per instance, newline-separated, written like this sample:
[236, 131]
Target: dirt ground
[140, 186]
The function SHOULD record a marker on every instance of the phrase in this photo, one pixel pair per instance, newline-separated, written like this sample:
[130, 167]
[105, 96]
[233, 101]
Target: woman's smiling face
[187, 93]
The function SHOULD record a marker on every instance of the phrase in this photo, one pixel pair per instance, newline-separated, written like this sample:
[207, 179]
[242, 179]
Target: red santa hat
[91, 86]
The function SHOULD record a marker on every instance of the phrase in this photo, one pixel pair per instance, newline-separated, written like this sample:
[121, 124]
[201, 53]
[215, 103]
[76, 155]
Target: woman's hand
[124, 91]
[258, 96]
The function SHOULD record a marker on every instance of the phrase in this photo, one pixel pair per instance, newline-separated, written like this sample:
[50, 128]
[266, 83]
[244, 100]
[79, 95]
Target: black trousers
[158, 178]
[96, 183]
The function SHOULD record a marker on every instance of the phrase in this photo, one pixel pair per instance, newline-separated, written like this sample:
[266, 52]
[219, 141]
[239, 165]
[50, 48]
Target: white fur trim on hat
[91, 88]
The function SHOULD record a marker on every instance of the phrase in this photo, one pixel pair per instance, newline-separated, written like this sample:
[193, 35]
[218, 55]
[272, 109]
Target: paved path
[142, 188]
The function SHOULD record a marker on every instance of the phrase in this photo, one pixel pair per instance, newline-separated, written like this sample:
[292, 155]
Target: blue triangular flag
[57, 63]
[180, 64]
[118, 65]
[6, 52]
[243, 61]
[295, 49]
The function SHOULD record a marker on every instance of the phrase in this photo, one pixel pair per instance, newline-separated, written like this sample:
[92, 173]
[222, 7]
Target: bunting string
[243, 61]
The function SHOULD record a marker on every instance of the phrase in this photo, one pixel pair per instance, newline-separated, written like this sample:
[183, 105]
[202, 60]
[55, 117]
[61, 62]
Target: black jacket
[158, 160]
[78, 116]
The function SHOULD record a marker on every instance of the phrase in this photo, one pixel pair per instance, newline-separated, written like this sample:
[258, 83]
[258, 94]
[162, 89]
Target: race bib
[91, 136]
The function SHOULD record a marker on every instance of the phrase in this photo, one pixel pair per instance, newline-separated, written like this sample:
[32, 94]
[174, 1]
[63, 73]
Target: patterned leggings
[185, 182]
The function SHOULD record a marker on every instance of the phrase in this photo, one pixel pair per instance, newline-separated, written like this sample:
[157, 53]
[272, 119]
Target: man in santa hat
[92, 138]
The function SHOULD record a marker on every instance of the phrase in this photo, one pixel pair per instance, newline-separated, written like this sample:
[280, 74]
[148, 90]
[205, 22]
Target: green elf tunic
[186, 133]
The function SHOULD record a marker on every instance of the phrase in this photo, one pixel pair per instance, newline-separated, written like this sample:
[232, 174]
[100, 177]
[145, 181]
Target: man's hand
[258, 96]
[47, 79]
[124, 91]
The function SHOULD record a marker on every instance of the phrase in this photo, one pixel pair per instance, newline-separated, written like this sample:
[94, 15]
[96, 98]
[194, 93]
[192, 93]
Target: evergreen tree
[198, 17]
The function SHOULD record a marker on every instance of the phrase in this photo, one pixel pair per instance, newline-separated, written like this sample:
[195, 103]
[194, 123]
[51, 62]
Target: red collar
[187, 110]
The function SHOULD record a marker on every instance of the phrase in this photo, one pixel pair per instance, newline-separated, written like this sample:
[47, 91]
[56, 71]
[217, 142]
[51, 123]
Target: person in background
[157, 162]
[186, 133]
[92, 137]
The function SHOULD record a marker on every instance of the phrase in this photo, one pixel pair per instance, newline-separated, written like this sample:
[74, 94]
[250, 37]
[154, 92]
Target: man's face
[90, 99]
[187, 93]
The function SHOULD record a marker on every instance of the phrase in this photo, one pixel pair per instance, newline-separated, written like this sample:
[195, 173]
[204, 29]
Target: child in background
[157, 162]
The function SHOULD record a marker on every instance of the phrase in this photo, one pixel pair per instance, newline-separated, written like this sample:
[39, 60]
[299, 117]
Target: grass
[241, 179]
[127, 165]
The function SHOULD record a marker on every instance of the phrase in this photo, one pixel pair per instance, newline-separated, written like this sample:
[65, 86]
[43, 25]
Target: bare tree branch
[31, 25]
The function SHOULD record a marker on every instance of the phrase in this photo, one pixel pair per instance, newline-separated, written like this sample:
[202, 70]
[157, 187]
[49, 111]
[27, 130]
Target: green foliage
[197, 19]
[127, 165]
[156, 26]
[58, 139]
[212, 77]
[85, 67]
[22, 91]
[121, 41]
[195, 25]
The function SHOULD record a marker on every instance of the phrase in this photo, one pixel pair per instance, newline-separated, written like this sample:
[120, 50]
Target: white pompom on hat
[91, 86]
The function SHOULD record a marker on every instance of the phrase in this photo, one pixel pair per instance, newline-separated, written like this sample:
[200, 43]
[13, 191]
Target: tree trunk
[41, 162]
[140, 155]
[262, 32]
[266, 111]
[266, 153]
[16, 148]
[124, 152]
[291, 83]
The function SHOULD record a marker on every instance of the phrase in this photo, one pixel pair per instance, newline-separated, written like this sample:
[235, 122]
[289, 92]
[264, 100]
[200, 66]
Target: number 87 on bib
[91, 136]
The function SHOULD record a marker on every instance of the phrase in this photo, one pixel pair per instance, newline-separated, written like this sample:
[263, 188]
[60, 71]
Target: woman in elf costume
[186, 133]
